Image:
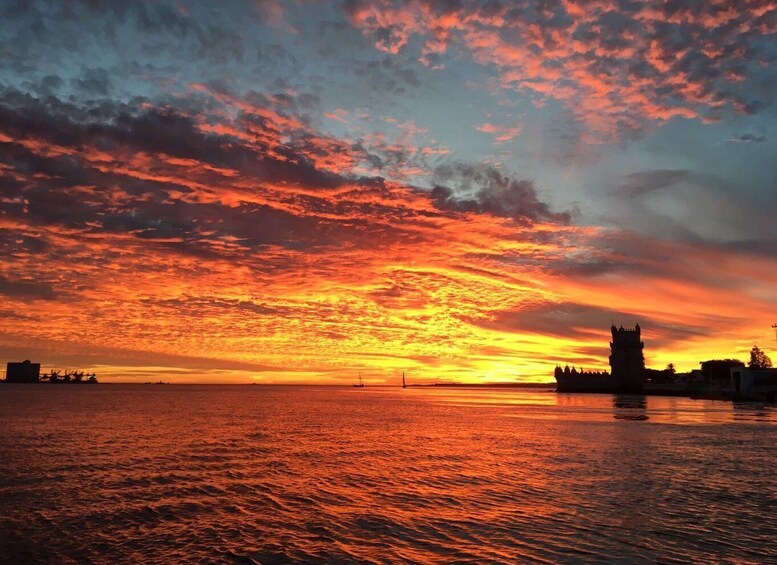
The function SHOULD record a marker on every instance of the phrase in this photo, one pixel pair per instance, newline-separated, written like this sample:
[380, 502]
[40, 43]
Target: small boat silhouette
[359, 383]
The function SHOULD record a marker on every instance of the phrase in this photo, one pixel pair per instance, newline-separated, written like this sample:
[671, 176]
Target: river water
[261, 474]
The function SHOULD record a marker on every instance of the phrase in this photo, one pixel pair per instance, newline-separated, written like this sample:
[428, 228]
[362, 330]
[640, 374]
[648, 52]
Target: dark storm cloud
[578, 321]
[386, 75]
[483, 189]
[701, 209]
[157, 29]
[757, 248]
[379, 78]
[154, 17]
[15, 315]
[747, 138]
[644, 182]
[105, 168]
[53, 196]
[155, 130]
[628, 254]
[48, 85]
[73, 353]
[751, 107]
[27, 289]
[13, 243]
[162, 20]
[93, 82]
[198, 306]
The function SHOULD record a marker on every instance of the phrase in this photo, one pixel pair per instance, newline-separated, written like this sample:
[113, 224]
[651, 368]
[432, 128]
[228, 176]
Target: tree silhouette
[759, 359]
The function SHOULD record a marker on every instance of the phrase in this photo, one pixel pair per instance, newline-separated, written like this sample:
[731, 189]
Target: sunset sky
[303, 191]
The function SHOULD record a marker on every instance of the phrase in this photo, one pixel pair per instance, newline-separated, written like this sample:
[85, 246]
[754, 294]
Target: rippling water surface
[133, 473]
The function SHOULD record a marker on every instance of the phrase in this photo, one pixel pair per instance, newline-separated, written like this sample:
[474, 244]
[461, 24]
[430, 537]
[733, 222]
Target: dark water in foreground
[169, 474]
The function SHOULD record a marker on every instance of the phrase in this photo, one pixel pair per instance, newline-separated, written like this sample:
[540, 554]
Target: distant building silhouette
[28, 372]
[719, 370]
[752, 384]
[24, 372]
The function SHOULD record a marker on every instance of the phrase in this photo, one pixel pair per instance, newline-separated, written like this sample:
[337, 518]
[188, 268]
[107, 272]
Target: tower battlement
[621, 330]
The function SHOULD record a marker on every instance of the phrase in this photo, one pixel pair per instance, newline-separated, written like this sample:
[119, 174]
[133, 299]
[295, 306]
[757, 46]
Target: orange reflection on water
[547, 404]
[299, 474]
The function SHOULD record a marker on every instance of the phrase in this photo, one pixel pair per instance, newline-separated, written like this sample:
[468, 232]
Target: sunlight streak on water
[308, 474]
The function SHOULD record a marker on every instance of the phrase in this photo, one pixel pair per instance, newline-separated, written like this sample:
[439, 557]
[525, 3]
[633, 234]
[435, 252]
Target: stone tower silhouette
[627, 362]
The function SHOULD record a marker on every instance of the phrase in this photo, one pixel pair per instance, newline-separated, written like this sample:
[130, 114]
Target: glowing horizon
[299, 193]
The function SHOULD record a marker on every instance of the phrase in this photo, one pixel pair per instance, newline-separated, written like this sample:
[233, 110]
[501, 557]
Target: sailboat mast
[403, 380]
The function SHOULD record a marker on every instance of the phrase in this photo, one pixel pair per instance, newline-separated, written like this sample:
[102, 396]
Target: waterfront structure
[753, 384]
[571, 380]
[22, 372]
[724, 379]
[627, 367]
[29, 372]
